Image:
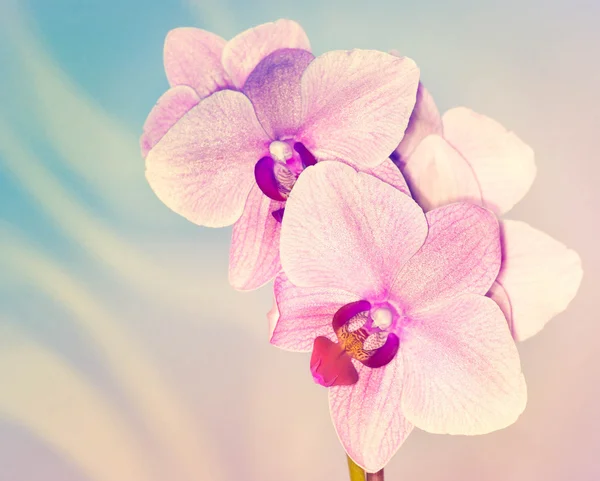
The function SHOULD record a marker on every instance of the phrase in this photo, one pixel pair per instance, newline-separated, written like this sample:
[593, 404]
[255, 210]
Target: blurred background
[124, 353]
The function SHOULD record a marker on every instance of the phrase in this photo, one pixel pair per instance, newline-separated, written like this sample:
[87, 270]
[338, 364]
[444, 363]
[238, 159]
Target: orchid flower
[392, 303]
[242, 120]
[463, 155]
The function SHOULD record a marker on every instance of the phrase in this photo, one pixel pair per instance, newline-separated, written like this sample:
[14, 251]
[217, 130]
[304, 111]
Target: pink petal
[274, 89]
[357, 104]
[348, 230]
[193, 57]
[503, 164]
[438, 175]
[498, 294]
[367, 415]
[461, 255]
[273, 317]
[424, 120]
[254, 253]
[173, 105]
[243, 52]
[304, 313]
[539, 276]
[462, 368]
[203, 168]
[390, 173]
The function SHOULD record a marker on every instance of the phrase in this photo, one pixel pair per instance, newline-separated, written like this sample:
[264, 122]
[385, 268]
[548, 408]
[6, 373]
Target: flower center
[277, 173]
[363, 334]
[280, 151]
[382, 317]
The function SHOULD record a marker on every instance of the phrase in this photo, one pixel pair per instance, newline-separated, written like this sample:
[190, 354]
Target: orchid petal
[539, 276]
[203, 168]
[243, 52]
[273, 316]
[274, 89]
[461, 254]
[367, 415]
[254, 253]
[503, 164]
[193, 57]
[424, 120]
[304, 313]
[357, 104]
[462, 368]
[438, 175]
[499, 295]
[357, 241]
[389, 172]
[173, 105]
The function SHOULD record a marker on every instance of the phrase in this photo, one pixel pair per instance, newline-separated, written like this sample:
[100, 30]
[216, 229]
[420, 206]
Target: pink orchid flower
[392, 303]
[463, 155]
[226, 144]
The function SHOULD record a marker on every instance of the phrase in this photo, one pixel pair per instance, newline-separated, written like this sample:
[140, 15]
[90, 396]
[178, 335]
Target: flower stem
[356, 472]
[378, 476]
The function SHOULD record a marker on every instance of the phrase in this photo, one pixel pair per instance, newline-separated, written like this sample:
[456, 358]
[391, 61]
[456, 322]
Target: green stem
[356, 472]
[378, 476]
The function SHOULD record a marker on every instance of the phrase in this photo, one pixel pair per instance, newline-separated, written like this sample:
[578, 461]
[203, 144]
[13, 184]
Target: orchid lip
[276, 174]
[347, 312]
[355, 323]
[330, 365]
[384, 354]
[267, 181]
[306, 156]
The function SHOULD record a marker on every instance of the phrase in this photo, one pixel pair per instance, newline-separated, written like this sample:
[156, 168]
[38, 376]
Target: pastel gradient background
[125, 355]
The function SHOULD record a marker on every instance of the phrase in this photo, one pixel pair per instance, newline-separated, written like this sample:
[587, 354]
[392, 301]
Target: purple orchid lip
[306, 157]
[330, 365]
[347, 312]
[371, 358]
[264, 173]
[384, 354]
